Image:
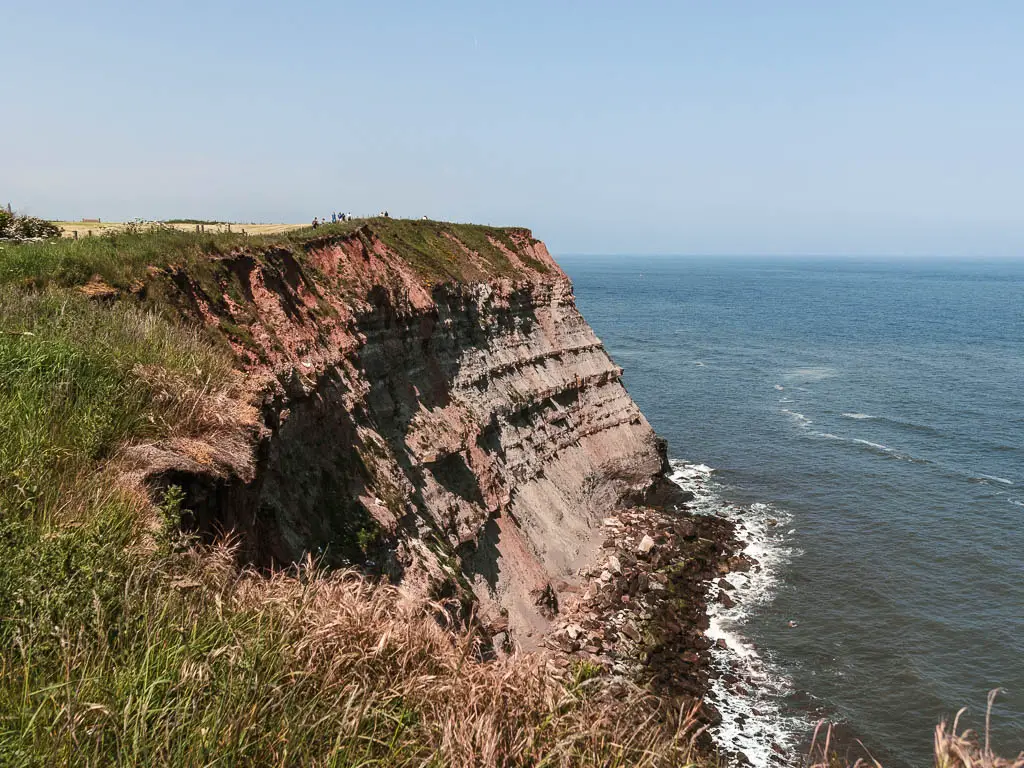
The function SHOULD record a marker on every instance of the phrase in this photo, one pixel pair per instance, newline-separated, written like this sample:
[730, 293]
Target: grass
[86, 229]
[954, 747]
[78, 381]
[212, 665]
[123, 257]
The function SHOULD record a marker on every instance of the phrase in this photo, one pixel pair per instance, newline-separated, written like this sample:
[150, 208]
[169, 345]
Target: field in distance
[83, 228]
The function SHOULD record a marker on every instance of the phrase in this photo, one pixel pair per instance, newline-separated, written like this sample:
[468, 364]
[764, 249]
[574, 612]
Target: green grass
[122, 258]
[78, 380]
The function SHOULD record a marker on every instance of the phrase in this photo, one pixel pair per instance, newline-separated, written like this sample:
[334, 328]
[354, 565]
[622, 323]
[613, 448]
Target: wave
[799, 418]
[752, 715]
[878, 448]
[1016, 502]
[889, 452]
[980, 478]
[898, 423]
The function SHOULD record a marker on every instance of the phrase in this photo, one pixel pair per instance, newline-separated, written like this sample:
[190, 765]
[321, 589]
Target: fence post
[76, 234]
[90, 233]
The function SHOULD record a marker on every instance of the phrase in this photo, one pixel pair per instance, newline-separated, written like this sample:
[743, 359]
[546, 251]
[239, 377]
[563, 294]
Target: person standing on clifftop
[316, 223]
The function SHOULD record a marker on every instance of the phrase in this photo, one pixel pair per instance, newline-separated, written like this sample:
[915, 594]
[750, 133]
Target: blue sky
[865, 128]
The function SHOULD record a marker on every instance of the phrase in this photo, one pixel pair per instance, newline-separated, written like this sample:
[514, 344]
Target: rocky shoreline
[642, 613]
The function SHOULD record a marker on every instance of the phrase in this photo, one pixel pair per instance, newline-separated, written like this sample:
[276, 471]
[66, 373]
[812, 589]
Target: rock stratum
[423, 399]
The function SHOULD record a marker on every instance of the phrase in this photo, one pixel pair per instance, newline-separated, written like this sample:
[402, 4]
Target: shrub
[16, 227]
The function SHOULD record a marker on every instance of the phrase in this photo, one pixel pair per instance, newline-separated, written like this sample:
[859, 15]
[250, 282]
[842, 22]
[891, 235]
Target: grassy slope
[123, 644]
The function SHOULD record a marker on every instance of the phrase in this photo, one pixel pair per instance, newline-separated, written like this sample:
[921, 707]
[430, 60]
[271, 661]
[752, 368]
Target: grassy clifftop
[435, 249]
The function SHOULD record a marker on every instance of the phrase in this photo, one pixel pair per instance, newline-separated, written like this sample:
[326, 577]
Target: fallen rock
[686, 529]
[614, 565]
[629, 630]
[645, 546]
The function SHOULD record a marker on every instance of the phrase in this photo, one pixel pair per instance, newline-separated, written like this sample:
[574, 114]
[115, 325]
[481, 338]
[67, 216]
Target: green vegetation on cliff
[436, 249]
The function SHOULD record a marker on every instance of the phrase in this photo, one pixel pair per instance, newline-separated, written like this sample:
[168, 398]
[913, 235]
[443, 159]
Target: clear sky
[868, 127]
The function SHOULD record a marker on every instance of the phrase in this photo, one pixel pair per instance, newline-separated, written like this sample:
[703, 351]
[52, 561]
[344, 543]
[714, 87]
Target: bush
[18, 227]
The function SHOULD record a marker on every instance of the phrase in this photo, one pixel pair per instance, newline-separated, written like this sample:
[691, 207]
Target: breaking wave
[799, 418]
[747, 689]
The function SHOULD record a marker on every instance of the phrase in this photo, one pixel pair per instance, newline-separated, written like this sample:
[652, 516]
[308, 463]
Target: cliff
[430, 403]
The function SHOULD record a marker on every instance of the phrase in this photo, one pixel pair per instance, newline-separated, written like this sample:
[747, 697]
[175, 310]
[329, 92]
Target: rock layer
[453, 430]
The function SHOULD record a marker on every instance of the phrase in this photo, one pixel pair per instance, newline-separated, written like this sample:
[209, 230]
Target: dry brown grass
[210, 664]
[363, 640]
[954, 748]
[83, 228]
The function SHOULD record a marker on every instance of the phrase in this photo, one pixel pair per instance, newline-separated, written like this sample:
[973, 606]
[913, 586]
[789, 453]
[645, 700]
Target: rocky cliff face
[431, 403]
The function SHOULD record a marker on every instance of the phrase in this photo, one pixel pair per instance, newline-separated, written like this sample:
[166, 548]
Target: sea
[862, 421]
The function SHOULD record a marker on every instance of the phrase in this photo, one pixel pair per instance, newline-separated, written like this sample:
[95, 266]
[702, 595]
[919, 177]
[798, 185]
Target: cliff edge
[429, 402]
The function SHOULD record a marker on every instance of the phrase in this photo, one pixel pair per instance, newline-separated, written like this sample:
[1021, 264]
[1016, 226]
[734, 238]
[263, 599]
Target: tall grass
[122, 258]
[78, 381]
[198, 663]
[954, 747]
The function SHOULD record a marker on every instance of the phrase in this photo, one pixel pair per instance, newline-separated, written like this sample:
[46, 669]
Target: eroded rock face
[471, 432]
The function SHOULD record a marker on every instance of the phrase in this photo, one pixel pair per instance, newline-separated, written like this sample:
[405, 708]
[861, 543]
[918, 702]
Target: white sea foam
[877, 447]
[995, 479]
[1016, 502]
[858, 416]
[799, 418]
[754, 721]
[779, 387]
